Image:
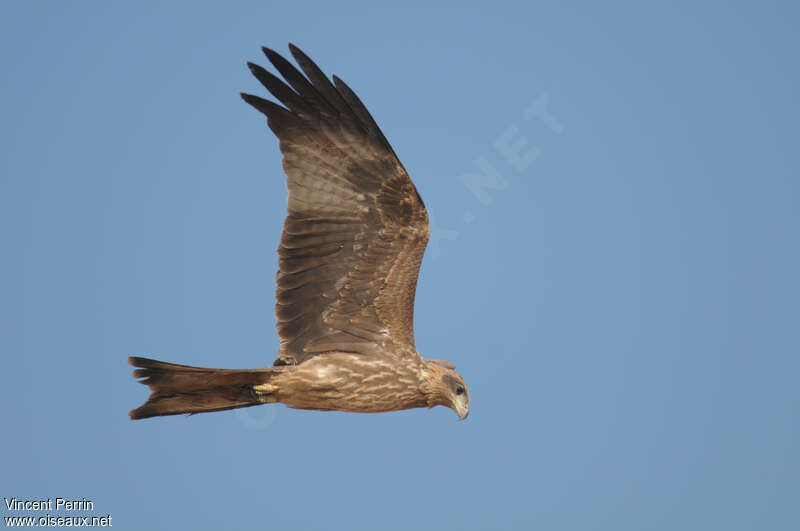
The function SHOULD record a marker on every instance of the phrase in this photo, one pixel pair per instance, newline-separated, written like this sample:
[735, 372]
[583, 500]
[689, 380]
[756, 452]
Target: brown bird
[350, 254]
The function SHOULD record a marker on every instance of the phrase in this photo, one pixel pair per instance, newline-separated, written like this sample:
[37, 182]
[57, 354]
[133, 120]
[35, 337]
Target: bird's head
[445, 387]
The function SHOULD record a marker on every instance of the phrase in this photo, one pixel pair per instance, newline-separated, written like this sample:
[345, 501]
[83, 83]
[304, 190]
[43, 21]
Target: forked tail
[180, 389]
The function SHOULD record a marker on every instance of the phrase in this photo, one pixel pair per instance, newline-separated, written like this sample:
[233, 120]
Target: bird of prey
[349, 257]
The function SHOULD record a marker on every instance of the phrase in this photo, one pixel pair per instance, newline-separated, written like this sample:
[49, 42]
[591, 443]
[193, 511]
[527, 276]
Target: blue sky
[613, 265]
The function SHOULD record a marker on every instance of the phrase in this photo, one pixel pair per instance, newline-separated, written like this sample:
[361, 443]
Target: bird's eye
[460, 390]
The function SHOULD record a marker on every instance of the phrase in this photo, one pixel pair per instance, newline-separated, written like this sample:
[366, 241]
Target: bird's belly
[351, 382]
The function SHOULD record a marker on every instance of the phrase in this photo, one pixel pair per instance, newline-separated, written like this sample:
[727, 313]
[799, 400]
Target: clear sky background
[613, 265]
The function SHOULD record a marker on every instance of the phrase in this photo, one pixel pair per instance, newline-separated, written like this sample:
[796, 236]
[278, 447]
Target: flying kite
[349, 257]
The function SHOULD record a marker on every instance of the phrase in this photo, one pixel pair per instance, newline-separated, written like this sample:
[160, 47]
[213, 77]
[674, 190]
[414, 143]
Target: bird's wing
[357, 228]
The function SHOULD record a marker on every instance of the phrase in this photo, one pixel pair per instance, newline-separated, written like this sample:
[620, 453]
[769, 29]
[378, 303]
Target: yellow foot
[263, 392]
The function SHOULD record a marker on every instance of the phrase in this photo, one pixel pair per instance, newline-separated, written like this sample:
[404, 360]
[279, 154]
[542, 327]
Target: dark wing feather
[353, 241]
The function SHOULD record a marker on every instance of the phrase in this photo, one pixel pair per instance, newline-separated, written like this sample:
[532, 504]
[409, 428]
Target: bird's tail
[182, 389]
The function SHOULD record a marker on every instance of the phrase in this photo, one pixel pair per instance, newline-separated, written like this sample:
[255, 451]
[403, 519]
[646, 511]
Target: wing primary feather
[279, 89]
[266, 107]
[320, 80]
[298, 81]
[360, 110]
